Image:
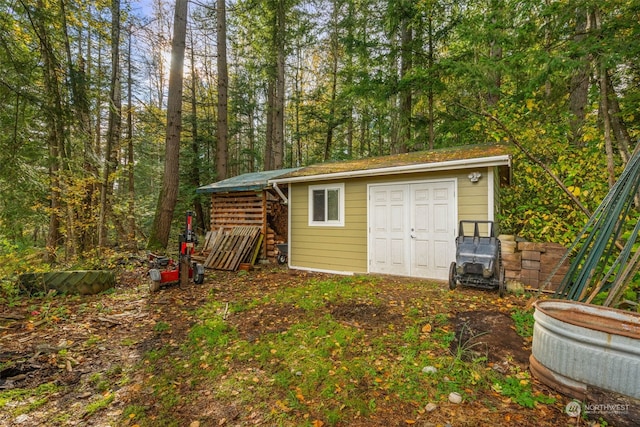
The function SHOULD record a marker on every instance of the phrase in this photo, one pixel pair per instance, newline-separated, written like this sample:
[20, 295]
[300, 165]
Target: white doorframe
[400, 243]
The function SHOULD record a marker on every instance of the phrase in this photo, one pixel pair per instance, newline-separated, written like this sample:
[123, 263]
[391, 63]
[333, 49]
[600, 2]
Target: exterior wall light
[474, 176]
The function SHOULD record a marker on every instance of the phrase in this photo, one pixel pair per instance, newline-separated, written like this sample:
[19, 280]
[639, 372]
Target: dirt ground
[81, 343]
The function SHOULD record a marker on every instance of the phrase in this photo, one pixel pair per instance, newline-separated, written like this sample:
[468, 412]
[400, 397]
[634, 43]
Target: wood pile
[262, 209]
[227, 248]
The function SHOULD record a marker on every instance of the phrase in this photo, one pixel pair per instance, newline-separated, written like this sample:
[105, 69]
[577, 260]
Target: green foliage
[523, 320]
[320, 364]
[517, 386]
[38, 394]
[320, 292]
[535, 208]
[514, 60]
[99, 404]
[161, 327]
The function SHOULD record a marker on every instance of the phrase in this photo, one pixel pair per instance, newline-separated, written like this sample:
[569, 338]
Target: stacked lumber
[228, 248]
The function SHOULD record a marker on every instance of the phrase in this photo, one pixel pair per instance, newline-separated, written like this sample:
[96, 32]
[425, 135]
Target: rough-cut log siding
[247, 208]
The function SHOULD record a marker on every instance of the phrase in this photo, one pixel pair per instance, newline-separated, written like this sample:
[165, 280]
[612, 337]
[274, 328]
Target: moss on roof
[418, 157]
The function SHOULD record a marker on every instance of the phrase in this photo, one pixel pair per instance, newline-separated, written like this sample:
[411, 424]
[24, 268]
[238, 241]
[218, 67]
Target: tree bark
[223, 88]
[603, 80]
[406, 65]
[331, 116]
[579, 86]
[278, 112]
[114, 125]
[195, 144]
[606, 122]
[54, 117]
[618, 126]
[131, 202]
[269, 137]
[161, 228]
[495, 55]
[430, 94]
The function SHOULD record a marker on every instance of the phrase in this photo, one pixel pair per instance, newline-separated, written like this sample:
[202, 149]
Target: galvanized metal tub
[578, 345]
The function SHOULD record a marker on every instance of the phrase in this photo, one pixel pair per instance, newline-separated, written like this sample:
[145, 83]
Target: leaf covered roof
[443, 155]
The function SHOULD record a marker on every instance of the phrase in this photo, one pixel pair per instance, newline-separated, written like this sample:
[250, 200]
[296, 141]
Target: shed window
[326, 205]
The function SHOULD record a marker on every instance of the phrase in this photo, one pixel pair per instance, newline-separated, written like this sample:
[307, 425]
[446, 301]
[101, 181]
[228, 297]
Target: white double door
[412, 228]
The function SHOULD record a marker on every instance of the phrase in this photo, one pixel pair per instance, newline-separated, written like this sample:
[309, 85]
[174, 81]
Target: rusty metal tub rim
[578, 345]
[614, 321]
[564, 385]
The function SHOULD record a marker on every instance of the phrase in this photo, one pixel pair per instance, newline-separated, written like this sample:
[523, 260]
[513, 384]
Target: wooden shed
[248, 200]
[395, 214]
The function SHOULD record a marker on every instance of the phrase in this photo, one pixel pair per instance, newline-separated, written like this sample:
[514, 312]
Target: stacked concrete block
[531, 254]
[531, 263]
[549, 261]
[511, 258]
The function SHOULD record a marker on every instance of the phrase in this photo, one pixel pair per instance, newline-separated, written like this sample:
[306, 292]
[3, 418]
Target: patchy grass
[274, 347]
[27, 400]
[523, 321]
[324, 368]
[99, 404]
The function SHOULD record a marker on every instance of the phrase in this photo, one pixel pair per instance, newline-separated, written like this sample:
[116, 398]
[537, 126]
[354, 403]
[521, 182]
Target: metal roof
[450, 158]
[253, 181]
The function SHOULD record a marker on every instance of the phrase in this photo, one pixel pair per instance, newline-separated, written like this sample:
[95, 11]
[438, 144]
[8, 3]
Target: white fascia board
[482, 162]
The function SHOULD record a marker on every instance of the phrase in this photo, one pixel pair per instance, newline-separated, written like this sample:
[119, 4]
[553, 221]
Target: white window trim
[341, 210]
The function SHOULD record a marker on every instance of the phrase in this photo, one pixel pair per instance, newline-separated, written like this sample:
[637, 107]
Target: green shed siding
[496, 191]
[345, 249]
[329, 248]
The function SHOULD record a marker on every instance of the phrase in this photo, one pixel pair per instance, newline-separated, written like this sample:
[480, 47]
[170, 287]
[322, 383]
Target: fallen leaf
[283, 406]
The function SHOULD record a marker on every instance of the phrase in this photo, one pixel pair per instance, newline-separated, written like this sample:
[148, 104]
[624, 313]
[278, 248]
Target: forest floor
[272, 347]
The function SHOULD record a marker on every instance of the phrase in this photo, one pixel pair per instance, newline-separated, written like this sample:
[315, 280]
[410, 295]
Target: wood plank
[233, 246]
[256, 249]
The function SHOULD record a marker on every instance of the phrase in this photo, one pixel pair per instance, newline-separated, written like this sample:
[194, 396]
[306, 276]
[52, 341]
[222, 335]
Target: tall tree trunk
[331, 117]
[495, 54]
[54, 117]
[603, 80]
[430, 95]
[195, 142]
[161, 228]
[97, 143]
[252, 137]
[223, 88]
[579, 86]
[72, 237]
[88, 231]
[278, 111]
[114, 125]
[131, 205]
[618, 126]
[296, 159]
[606, 121]
[269, 137]
[406, 64]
